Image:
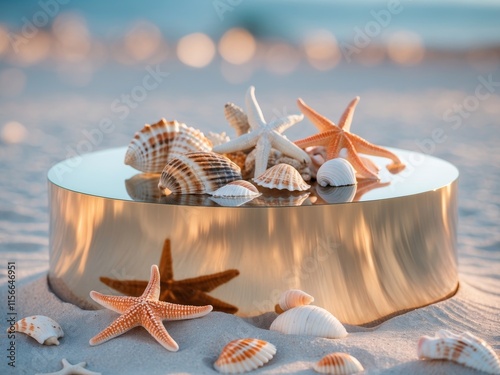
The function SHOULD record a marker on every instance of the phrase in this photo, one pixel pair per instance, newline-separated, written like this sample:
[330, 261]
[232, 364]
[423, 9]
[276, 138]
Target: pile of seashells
[188, 162]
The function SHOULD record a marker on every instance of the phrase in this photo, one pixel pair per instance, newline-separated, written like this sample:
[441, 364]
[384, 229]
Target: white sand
[388, 348]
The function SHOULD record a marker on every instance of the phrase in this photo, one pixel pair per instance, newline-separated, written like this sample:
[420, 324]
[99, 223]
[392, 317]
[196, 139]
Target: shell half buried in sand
[244, 355]
[338, 364]
[43, 329]
[282, 177]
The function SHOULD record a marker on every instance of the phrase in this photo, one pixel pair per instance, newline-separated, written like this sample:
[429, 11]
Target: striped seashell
[197, 173]
[154, 145]
[42, 328]
[336, 194]
[236, 118]
[282, 176]
[288, 200]
[465, 349]
[143, 187]
[243, 355]
[336, 172]
[338, 364]
[292, 298]
[238, 188]
[309, 320]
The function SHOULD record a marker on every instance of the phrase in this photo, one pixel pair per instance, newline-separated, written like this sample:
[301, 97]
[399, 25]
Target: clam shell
[238, 188]
[154, 145]
[336, 172]
[236, 118]
[42, 328]
[197, 173]
[293, 298]
[465, 349]
[243, 355]
[309, 320]
[338, 364]
[282, 176]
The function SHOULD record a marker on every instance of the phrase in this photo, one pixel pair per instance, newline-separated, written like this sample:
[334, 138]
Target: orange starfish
[191, 291]
[335, 138]
[146, 311]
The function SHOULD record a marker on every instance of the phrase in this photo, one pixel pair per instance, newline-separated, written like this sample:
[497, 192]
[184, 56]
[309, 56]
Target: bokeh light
[14, 132]
[143, 40]
[4, 39]
[196, 50]
[282, 58]
[322, 50]
[12, 82]
[32, 50]
[405, 48]
[237, 46]
[72, 37]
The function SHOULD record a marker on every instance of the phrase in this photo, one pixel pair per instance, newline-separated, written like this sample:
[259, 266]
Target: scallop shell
[238, 188]
[243, 355]
[336, 172]
[282, 176]
[338, 364]
[197, 173]
[143, 187]
[154, 145]
[293, 298]
[465, 349]
[309, 320]
[236, 118]
[42, 328]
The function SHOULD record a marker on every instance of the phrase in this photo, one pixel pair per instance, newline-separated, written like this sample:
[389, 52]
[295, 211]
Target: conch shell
[281, 177]
[42, 328]
[243, 355]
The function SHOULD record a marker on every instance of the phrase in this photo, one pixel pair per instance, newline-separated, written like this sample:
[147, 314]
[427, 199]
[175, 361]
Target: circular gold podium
[365, 252]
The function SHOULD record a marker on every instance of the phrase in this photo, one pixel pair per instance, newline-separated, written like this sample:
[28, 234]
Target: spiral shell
[197, 173]
[282, 176]
[154, 145]
[243, 355]
[236, 118]
[336, 194]
[238, 188]
[309, 320]
[292, 298]
[465, 349]
[42, 328]
[338, 364]
[336, 172]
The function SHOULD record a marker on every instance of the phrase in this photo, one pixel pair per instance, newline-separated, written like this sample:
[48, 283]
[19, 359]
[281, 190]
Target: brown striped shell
[293, 298]
[154, 145]
[282, 176]
[243, 355]
[236, 118]
[338, 364]
[197, 173]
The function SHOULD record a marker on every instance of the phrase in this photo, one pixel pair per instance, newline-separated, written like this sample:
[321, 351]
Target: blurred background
[80, 76]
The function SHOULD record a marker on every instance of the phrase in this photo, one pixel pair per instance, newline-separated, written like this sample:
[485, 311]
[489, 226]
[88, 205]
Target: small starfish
[191, 291]
[335, 138]
[264, 136]
[69, 369]
[146, 311]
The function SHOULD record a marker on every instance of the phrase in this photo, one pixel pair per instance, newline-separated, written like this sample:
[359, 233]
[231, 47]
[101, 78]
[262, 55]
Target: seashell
[465, 349]
[338, 364]
[236, 118]
[288, 200]
[282, 176]
[143, 187]
[154, 145]
[292, 298]
[238, 188]
[197, 173]
[231, 201]
[217, 138]
[243, 355]
[42, 328]
[276, 157]
[335, 194]
[336, 172]
[309, 320]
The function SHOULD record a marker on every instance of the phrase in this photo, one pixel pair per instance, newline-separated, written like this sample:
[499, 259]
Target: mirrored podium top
[104, 174]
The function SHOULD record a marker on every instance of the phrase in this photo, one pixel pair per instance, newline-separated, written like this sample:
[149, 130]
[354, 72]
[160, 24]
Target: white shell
[197, 173]
[231, 201]
[243, 355]
[281, 177]
[154, 145]
[217, 138]
[42, 328]
[309, 320]
[236, 118]
[336, 194]
[336, 172]
[238, 188]
[293, 298]
[465, 349]
[338, 364]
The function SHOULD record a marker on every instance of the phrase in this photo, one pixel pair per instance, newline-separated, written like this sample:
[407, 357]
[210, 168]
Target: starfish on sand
[191, 291]
[69, 369]
[264, 136]
[335, 138]
[146, 311]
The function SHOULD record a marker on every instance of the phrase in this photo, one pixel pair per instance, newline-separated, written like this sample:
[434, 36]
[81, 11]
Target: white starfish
[264, 136]
[69, 369]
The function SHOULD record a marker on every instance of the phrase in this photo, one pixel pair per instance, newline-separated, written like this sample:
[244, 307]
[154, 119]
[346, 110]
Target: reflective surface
[391, 249]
